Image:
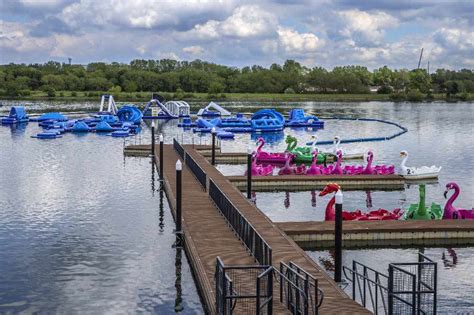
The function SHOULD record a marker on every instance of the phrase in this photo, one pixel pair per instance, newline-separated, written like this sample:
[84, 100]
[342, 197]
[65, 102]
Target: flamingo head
[260, 140]
[339, 154]
[315, 152]
[370, 155]
[403, 153]
[330, 188]
[449, 186]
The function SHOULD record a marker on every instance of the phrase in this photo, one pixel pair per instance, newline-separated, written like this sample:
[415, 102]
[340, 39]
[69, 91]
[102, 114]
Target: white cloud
[370, 25]
[14, 36]
[245, 21]
[193, 50]
[298, 43]
[147, 14]
[461, 39]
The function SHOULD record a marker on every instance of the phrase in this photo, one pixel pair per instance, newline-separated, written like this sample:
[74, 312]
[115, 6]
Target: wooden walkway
[207, 236]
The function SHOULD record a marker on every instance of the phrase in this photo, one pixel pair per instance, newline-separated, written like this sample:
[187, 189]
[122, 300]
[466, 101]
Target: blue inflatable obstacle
[49, 134]
[237, 121]
[120, 134]
[103, 126]
[156, 110]
[298, 118]
[17, 115]
[267, 120]
[80, 126]
[53, 116]
[205, 126]
[187, 123]
[129, 113]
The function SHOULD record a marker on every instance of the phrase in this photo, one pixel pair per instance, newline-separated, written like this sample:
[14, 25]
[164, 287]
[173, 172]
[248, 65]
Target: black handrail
[197, 170]
[178, 148]
[254, 242]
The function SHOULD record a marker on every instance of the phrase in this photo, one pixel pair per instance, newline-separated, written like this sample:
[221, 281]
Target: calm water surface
[81, 230]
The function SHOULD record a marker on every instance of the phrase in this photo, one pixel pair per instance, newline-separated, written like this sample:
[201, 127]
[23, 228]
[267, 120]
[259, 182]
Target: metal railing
[409, 288]
[299, 290]
[197, 170]
[369, 287]
[316, 296]
[178, 148]
[413, 287]
[243, 289]
[254, 242]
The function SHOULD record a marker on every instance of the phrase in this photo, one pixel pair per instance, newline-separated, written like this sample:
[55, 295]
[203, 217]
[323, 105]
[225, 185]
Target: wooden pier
[358, 234]
[208, 235]
[302, 182]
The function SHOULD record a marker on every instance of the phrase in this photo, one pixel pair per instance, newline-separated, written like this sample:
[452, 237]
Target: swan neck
[404, 162]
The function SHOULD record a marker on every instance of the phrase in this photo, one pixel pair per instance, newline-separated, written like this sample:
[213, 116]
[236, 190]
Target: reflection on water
[84, 230]
[455, 269]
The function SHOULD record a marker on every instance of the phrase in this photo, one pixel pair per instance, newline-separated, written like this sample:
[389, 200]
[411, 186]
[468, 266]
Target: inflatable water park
[309, 160]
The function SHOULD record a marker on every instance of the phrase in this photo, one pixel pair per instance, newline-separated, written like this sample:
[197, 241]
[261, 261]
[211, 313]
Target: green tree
[420, 80]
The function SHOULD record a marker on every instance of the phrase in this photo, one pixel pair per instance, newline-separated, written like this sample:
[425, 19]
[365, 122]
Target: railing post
[354, 277]
[213, 153]
[390, 289]
[152, 139]
[338, 238]
[179, 231]
[257, 302]
[270, 291]
[161, 156]
[249, 172]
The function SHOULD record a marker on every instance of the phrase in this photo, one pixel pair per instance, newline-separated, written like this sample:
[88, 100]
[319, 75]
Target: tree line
[198, 76]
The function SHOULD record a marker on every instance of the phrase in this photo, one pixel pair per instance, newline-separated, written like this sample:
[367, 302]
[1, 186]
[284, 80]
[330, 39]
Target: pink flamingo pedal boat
[337, 169]
[291, 169]
[368, 169]
[268, 157]
[451, 212]
[260, 170]
[357, 215]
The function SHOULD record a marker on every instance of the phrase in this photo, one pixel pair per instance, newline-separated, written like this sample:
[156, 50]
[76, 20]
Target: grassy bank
[254, 97]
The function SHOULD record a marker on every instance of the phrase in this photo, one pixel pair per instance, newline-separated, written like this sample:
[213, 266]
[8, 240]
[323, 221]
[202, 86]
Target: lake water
[81, 229]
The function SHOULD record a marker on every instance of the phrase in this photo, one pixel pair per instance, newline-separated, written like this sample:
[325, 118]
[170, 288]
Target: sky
[323, 33]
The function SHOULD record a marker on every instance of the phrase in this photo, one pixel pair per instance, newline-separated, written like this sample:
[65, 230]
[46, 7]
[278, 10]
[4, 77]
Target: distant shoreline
[236, 97]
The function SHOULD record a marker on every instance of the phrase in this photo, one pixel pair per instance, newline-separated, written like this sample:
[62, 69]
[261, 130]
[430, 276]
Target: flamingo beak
[445, 194]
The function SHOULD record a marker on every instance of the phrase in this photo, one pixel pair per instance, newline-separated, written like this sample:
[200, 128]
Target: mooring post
[152, 139]
[161, 156]
[249, 172]
[179, 168]
[338, 238]
[213, 154]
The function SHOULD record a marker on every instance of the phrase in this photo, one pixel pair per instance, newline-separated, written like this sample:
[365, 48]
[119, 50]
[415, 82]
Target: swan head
[449, 186]
[330, 188]
[403, 153]
[337, 139]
